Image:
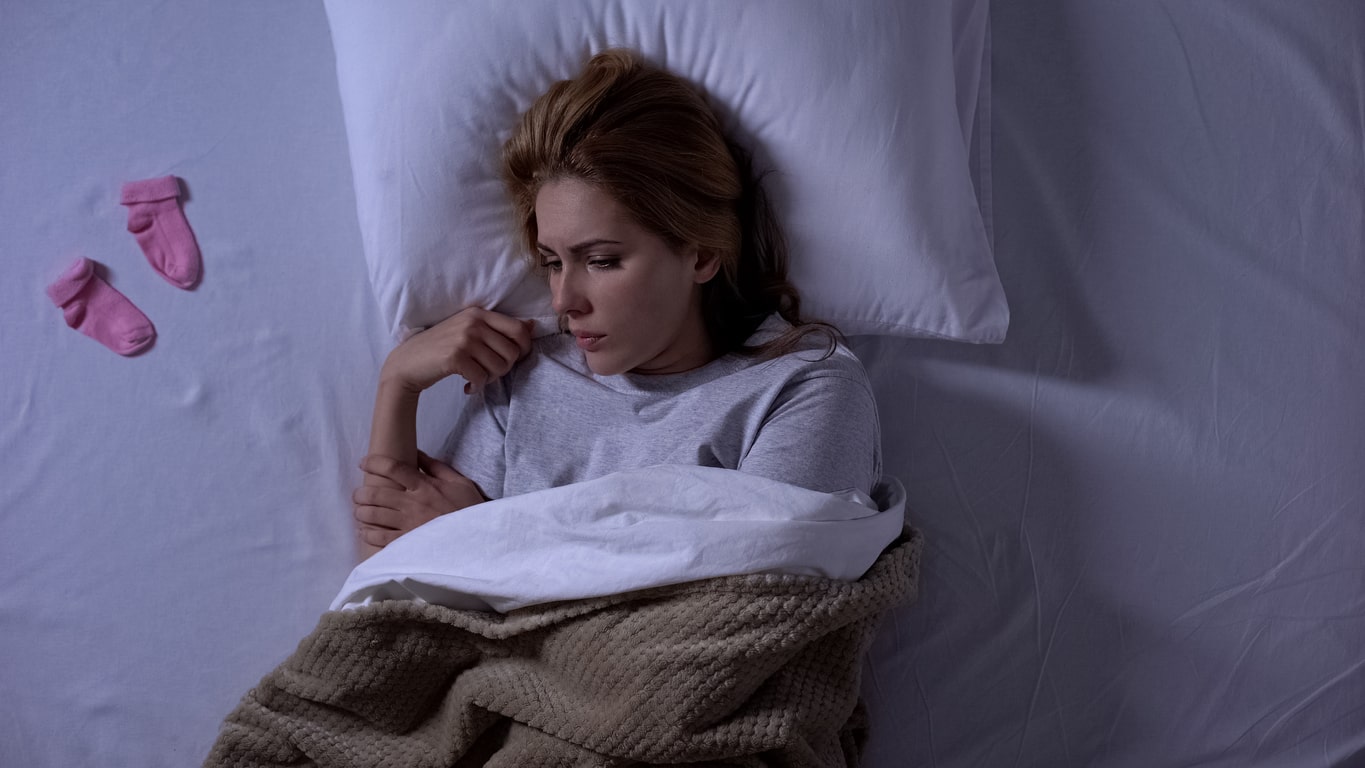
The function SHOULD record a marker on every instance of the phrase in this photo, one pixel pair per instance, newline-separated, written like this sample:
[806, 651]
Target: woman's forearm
[393, 433]
[393, 430]
[475, 344]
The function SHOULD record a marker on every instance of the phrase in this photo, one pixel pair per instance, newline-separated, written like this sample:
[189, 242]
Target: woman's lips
[587, 341]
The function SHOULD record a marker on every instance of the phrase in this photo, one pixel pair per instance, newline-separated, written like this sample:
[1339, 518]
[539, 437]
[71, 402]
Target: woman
[682, 338]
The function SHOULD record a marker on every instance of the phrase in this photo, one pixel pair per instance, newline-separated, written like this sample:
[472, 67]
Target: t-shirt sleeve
[476, 445]
[821, 433]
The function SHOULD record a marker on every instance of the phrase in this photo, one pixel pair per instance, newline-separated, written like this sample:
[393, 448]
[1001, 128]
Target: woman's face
[631, 302]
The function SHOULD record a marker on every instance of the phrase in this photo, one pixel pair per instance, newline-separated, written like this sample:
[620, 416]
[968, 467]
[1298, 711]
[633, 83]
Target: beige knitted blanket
[735, 671]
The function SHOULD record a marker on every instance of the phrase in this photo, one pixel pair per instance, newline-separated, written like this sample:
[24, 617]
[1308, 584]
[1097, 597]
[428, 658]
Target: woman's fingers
[384, 514]
[513, 336]
[483, 365]
[438, 469]
[507, 348]
[488, 345]
[377, 517]
[409, 497]
[404, 475]
[420, 502]
[402, 501]
[377, 506]
[514, 329]
[475, 343]
[474, 374]
[378, 537]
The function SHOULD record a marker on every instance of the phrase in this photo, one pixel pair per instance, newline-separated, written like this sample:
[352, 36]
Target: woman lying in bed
[682, 344]
[648, 615]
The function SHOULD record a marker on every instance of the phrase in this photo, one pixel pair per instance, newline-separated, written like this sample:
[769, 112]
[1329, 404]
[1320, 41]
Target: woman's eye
[550, 266]
[603, 263]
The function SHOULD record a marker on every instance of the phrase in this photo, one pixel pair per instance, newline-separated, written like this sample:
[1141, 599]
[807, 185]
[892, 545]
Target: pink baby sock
[97, 310]
[154, 216]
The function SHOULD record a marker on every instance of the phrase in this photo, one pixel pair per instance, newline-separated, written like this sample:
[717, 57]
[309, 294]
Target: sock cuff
[76, 276]
[150, 190]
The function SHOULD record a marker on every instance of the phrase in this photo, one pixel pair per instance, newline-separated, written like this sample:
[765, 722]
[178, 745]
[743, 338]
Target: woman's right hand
[475, 343]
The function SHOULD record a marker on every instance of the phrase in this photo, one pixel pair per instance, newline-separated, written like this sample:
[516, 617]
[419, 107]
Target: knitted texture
[738, 671]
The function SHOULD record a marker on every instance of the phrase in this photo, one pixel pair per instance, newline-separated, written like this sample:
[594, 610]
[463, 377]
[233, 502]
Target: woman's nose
[566, 294]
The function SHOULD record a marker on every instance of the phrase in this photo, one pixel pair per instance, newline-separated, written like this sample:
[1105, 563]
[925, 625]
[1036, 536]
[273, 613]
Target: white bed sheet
[627, 531]
[1143, 511]
[172, 523]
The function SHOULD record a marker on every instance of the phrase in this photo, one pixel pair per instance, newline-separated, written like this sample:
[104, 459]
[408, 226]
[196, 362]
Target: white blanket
[626, 531]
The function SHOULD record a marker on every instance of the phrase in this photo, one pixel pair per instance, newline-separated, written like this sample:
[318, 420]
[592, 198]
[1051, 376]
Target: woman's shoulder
[817, 354]
[554, 360]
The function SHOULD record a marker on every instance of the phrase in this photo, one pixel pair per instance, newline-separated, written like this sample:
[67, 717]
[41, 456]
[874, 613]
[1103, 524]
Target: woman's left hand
[410, 496]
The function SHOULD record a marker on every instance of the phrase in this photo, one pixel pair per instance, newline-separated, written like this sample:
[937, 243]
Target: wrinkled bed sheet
[627, 531]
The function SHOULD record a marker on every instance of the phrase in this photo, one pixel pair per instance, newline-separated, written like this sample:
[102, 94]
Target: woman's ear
[706, 266]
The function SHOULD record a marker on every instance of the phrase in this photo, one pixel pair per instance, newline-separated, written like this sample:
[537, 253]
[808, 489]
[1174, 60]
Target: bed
[1141, 506]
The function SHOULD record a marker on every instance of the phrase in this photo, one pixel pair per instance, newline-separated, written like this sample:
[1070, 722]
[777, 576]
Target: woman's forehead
[569, 212]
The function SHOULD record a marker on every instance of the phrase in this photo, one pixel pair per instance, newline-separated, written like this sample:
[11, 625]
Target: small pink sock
[154, 216]
[97, 310]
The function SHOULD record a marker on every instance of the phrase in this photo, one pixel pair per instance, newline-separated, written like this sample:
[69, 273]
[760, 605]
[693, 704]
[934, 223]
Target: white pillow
[866, 112]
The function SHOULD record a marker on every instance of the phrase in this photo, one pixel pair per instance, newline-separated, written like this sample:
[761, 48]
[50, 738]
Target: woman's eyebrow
[580, 247]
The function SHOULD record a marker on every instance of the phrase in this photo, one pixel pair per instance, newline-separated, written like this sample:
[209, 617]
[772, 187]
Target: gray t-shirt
[551, 421]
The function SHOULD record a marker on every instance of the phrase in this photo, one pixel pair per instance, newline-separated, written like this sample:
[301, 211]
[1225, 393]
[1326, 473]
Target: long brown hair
[648, 139]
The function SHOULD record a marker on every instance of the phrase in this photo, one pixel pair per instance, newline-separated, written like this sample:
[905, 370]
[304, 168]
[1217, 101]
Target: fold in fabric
[627, 531]
[742, 670]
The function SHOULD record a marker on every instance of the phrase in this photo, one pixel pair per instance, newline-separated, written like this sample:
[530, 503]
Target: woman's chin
[603, 365]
